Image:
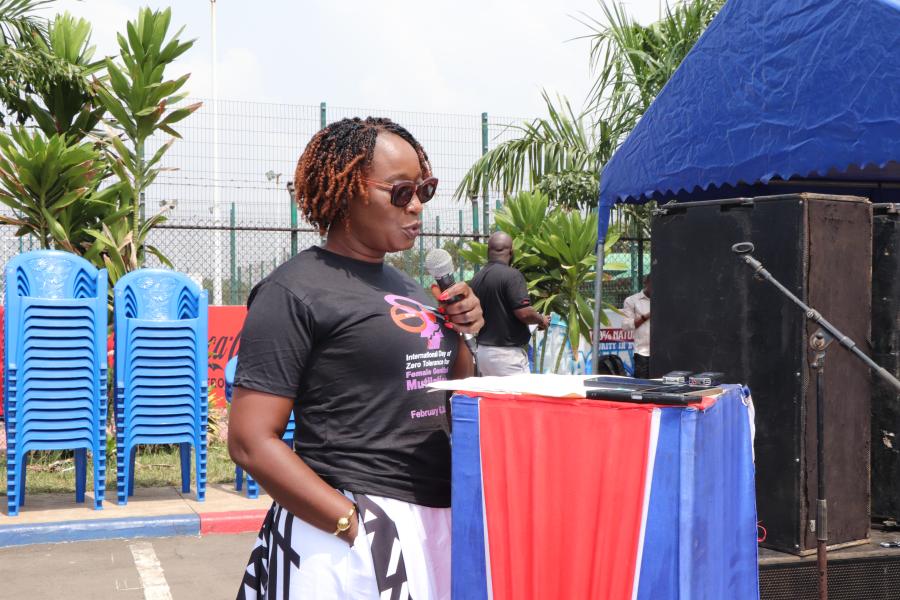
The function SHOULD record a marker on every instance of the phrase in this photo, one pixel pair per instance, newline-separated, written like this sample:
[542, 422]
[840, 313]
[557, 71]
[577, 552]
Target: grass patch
[155, 466]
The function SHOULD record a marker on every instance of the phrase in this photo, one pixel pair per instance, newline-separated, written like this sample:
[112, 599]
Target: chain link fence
[231, 218]
[627, 263]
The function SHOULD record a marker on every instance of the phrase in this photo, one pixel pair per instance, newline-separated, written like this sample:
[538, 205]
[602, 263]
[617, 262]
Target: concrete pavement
[151, 512]
[171, 568]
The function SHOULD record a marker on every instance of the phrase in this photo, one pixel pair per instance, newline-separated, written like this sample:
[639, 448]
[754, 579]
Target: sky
[467, 56]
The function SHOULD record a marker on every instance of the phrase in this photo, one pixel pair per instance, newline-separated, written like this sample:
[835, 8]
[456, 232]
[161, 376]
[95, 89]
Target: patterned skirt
[402, 552]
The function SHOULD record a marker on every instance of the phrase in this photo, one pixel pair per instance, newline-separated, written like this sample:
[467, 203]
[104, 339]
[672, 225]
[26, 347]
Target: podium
[569, 498]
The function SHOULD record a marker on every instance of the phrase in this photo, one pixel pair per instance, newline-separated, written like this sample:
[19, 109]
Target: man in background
[637, 319]
[503, 341]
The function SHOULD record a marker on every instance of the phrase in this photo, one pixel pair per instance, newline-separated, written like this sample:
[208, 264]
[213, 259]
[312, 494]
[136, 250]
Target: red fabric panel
[563, 487]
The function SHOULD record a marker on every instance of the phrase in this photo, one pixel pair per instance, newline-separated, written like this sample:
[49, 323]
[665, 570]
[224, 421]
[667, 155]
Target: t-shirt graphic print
[433, 363]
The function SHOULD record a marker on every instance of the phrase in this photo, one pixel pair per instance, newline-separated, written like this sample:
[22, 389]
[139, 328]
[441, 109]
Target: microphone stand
[818, 343]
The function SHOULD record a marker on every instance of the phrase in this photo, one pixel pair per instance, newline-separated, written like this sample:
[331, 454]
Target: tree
[139, 100]
[27, 66]
[67, 106]
[51, 184]
[638, 60]
[554, 250]
[563, 155]
[51, 176]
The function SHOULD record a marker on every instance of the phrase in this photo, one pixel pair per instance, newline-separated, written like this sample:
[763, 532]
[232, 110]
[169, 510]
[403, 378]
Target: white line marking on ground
[151, 572]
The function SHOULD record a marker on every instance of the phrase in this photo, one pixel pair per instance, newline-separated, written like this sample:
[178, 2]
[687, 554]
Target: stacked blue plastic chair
[161, 369]
[287, 436]
[54, 393]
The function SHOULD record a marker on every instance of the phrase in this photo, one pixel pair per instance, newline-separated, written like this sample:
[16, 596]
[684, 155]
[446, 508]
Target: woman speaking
[349, 344]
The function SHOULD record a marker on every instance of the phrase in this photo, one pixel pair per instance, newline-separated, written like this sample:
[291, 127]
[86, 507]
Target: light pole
[217, 233]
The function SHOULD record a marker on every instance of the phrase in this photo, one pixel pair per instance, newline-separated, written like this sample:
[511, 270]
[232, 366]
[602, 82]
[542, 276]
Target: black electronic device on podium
[651, 391]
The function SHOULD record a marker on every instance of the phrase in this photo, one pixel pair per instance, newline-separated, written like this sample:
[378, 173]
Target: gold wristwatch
[343, 524]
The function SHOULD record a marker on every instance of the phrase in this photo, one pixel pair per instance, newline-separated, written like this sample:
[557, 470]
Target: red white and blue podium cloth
[584, 499]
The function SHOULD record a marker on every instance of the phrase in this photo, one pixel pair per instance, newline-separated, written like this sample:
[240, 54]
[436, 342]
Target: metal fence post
[484, 191]
[233, 240]
[437, 231]
[421, 252]
[294, 218]
[323, 121]
[636, 260]
[461, 242]
[641, 241]
[240, 286]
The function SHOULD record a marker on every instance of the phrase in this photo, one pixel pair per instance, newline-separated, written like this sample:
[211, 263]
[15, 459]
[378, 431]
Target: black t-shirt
[355, 344]
[501, 290]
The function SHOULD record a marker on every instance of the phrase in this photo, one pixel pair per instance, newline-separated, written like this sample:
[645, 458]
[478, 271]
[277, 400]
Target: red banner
[2, 361]
[225, 323]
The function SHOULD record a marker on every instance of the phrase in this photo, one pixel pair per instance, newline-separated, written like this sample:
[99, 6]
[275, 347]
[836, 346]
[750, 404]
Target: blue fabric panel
[800, 88]
[469, 575]
[659, 572]
[717, 522]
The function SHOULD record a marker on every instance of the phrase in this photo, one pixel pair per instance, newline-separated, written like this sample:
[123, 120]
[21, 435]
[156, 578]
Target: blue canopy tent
[777, 96]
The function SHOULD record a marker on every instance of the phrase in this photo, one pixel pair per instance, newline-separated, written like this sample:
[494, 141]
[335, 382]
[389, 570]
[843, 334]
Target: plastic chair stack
[161, 372]
[54, 393]
[287, 436]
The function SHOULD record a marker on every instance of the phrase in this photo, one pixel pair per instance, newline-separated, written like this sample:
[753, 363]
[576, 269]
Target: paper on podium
[554, 386]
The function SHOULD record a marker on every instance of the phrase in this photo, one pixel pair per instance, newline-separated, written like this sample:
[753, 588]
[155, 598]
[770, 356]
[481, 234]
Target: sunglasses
[402, 192]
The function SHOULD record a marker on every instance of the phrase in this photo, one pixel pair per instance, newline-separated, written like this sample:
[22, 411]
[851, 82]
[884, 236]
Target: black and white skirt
[402, 552]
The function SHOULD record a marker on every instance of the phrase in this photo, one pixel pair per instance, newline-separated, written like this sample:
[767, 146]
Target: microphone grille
[438, 262]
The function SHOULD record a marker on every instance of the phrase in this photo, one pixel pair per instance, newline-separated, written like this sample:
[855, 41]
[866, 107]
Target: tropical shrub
[555, 251]
[139, 101]
[52, 186]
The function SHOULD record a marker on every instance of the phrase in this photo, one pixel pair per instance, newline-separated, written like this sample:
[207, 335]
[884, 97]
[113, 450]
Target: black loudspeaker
[710, 313]
[886, 352]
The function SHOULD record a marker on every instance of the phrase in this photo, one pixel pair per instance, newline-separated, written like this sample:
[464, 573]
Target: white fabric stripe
[153, 579]
[652, 444]
[751, 414]
[395, 558]
[487, 544]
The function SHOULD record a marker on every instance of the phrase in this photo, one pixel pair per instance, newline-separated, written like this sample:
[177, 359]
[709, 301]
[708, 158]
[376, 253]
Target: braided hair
[331, 169]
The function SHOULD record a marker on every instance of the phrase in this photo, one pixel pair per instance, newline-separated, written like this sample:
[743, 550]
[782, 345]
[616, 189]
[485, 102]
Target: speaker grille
[869, 579]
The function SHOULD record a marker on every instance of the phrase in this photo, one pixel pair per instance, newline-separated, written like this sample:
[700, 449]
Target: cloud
[241, 75]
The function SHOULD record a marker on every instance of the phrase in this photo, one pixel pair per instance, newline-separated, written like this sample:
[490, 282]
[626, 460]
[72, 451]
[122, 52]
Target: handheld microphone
[439, 265]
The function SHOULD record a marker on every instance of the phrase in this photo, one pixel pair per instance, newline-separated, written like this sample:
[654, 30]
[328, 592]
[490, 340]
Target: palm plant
[561, 155]
[554, 250]
[68, 106]
[139, 100]
[52, 186]
[564, 154]
[26, 65]
[639, 60]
